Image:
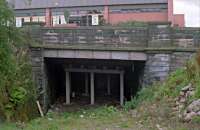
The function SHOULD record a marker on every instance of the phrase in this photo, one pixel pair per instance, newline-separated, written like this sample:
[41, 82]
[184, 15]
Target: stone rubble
[187, 112]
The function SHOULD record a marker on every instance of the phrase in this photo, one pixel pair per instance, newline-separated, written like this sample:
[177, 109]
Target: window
[18, 22]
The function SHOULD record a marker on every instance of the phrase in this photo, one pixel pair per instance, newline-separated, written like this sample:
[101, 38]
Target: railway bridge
[97, 64]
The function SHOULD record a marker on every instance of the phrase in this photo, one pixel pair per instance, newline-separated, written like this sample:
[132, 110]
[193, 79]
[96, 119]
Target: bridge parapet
[186, 37]
[91, 36]
[147, 37]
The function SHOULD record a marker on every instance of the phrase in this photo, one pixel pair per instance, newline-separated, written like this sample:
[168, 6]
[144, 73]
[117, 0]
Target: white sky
[191, 9]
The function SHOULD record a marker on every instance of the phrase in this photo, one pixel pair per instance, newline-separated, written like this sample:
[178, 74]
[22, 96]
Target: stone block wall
[179, 59]
[39, 75]
[102, 36]
[186, 38]
[159, 65]
[153, 36]
[160, 37]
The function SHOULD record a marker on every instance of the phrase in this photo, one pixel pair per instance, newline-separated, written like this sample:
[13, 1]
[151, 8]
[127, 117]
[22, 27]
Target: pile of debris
[187, 112]
[193, 110]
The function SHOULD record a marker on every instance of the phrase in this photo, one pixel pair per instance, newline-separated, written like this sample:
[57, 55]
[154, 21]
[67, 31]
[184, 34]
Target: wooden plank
[40, 109]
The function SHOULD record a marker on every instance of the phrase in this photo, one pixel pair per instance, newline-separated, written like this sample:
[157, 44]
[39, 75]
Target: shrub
[173, 84]
[170, 88]
[196, 119]
[145, 94]
[17, 94]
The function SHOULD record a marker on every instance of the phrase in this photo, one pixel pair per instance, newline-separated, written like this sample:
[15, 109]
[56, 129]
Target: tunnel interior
[106, 85]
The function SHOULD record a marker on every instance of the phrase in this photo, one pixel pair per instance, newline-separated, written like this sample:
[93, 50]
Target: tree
[16, 87]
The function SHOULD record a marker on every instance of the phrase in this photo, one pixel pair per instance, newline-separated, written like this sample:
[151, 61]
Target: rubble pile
[187, 112]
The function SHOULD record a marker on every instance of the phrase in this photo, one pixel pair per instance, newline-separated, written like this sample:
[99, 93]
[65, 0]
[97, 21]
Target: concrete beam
[67, 88]
[92, 88]
[108, 84]
[88, 54]
[94, 71]
[86, 84]
[121, 89]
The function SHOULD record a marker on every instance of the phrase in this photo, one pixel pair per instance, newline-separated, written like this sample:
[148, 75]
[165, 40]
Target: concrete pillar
[86, 84]
[121, 89]
[92, 88]
[67, 88]
[108, 84]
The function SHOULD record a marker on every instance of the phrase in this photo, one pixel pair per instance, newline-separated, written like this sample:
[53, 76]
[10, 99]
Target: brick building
[94, 12]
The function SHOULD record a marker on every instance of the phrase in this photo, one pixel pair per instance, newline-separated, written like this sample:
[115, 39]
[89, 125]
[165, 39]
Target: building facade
[97, 12]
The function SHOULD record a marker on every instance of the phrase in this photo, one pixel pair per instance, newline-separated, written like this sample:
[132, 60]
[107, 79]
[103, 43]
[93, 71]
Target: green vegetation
[98, 118]
[16, 88]
[172, 86]
[148, 117]
[196, 120]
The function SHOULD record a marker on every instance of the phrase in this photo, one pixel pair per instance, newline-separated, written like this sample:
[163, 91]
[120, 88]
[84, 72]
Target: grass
[148, 117]
[98, 118]
[160, 91]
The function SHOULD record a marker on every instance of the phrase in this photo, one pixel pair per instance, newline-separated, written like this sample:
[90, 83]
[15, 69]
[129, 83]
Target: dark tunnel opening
[106, 85]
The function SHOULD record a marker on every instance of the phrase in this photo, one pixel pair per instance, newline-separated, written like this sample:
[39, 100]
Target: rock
[50, 119]
[57, 109]
[186, 88]
[20, 125]
[194, 106]
[175, 108]
[52, 106]
[189, 116]
[198, 113]
[134, 113]
[81, 116]
[177, 103]
[73, 94]
[180, 116]
[191, 88]
[182, 100]
[182, 93]
[176, 99]
[181, 106]
[191, 93]
[158, 126]
[50, 111]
